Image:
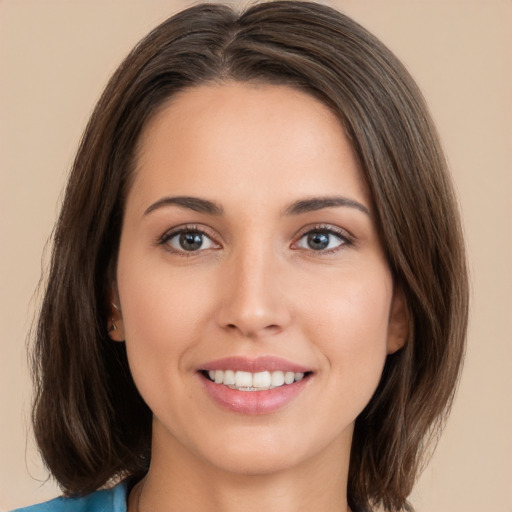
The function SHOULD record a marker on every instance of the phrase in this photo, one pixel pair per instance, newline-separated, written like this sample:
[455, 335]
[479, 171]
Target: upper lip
[254, 365]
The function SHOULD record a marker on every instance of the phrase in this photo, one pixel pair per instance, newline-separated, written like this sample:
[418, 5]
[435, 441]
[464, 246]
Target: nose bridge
[254, 302]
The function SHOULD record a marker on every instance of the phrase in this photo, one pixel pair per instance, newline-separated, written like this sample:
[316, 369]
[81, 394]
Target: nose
[254, 303]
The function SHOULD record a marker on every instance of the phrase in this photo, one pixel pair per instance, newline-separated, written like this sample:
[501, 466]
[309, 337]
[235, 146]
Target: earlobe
[398, 325]
[115, 324]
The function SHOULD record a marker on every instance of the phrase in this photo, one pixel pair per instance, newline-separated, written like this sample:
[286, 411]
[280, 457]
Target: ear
[115, 324]
[398, 325]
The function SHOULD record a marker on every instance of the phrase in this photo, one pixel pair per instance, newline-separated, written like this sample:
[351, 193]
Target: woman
[258, 293]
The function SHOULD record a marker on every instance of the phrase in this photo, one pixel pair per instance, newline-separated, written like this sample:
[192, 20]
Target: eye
[187, 240]
[322, 239]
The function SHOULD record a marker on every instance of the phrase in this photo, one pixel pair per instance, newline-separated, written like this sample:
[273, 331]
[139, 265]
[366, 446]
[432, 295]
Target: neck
[179, 481]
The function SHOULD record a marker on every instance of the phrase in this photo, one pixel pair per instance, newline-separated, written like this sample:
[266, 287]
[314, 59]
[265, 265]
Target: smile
[259, 381]
[254, 386]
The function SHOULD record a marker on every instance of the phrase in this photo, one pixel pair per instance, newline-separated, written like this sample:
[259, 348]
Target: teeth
[242, 379]
[247, 381]
[229, 378]
[289, 377]
[261, 380]
[277, 379]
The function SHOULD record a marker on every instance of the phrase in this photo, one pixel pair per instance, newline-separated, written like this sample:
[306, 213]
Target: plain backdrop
[55, 57]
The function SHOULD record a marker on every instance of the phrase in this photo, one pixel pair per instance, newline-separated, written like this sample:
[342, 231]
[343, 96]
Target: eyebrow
[319, 203]
[191, 203]
[297, 208]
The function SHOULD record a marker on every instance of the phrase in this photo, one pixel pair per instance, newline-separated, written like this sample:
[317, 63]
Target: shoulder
[109, 500]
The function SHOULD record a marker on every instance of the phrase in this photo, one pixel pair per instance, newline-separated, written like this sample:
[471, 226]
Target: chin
[260, 462]
[256, 452]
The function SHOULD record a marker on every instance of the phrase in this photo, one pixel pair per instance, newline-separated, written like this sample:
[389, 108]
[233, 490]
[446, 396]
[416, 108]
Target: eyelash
[169, 235]
[346, 240]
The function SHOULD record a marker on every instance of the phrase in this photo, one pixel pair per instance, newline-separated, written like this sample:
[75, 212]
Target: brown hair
[90, 422]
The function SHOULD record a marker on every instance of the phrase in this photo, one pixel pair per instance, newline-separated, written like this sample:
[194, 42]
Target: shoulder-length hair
[91, 424]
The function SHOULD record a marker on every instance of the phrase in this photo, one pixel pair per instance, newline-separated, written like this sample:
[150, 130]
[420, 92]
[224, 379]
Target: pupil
[191, 241]
[318, 241]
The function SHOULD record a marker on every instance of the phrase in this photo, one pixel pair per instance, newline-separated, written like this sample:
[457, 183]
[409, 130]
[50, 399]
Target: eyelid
[176, 230]
[343, 234]
[346, 238]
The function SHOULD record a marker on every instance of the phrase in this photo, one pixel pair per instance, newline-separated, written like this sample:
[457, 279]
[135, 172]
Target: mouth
[254, 386]
[254, 381]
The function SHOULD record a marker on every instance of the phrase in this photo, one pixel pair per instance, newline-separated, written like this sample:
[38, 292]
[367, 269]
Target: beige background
[55, 57]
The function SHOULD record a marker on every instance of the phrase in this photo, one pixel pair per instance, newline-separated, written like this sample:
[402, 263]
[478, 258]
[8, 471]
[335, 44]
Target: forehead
[264, 135]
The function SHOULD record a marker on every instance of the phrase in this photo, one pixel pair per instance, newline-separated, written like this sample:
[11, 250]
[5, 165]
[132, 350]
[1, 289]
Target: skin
[254, 288]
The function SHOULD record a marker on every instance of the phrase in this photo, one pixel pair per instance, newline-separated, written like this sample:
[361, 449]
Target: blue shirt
[110, 500]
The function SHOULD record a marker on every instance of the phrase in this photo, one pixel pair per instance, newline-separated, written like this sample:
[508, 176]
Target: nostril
[271, 327]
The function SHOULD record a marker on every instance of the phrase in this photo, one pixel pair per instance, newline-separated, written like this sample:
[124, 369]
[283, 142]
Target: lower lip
[253, 402]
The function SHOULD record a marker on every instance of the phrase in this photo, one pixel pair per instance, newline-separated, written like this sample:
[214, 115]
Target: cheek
[162, 320]
[352, 306]
[157, 299]
[348, 319]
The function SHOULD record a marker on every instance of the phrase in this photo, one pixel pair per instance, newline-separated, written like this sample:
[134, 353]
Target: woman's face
[257, 305]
